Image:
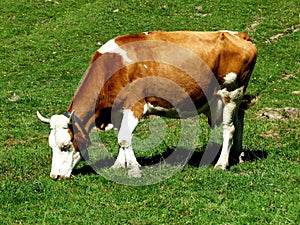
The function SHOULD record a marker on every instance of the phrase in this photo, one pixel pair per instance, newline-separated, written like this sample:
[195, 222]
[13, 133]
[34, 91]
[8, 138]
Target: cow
[173, 73]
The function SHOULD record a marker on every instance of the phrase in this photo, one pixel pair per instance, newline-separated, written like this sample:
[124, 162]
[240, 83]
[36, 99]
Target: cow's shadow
[183, 156]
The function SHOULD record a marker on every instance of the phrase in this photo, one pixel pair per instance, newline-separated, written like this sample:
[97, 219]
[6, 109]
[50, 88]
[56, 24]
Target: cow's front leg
[126, 155]
[120, 161]
[132, 165]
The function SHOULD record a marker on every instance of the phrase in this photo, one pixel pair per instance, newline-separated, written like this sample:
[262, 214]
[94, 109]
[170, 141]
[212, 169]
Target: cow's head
[65, 156]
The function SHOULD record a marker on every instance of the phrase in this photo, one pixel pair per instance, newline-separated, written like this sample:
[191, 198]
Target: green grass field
[46, 46]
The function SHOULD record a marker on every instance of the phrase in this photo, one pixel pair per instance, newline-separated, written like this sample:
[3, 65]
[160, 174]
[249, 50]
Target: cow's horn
[72, 113]
[71, 116]
[43, 119]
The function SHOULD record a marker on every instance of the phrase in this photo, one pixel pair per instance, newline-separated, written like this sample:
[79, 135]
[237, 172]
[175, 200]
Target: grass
[45, 48]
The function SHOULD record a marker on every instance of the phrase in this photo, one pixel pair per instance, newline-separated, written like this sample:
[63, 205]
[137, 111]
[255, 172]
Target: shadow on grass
[180, 156]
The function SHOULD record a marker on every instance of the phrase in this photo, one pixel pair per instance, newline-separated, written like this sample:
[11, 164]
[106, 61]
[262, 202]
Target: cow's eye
[65, 148]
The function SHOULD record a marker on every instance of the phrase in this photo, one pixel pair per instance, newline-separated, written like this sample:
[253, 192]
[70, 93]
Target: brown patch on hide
[227, 99]
[138, 109]
[95, 56]
[121, 40]
[244, 36]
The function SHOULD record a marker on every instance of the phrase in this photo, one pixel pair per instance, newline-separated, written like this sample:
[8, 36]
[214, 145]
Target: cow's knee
[124, 144]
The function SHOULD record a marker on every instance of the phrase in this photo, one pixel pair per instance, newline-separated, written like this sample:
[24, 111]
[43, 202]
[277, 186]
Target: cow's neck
[83, 103]
[82, 123]
[86, 102]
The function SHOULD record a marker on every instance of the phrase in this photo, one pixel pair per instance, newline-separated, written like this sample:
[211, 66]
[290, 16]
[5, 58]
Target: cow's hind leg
[232, 101]
[237, 147]
[126, 155]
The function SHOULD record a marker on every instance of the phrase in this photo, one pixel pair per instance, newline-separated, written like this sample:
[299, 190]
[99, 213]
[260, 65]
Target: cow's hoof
[118, 165]
[134, 172]
[220, 167]
[242, 157]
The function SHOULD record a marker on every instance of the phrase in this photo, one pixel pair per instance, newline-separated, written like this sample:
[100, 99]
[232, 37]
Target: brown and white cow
[181, 72]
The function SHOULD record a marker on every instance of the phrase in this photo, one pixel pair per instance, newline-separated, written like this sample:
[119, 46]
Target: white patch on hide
[154, 109]
[129, 119]
[230, 78]
[231, 32]
[59, 135]
[112, 47]
[121, 160]
[109, 127]
[63, 162]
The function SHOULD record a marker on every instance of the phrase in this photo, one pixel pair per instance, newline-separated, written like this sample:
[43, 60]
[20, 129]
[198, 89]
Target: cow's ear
[71, 117]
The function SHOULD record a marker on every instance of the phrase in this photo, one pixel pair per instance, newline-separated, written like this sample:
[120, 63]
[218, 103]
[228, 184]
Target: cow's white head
[65, 156]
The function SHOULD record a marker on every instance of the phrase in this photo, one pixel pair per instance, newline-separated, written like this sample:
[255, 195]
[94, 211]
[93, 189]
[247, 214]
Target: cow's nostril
[66, 145]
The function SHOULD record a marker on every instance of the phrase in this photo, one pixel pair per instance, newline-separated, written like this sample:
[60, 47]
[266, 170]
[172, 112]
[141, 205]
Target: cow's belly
[174, 112]
[160, 110]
